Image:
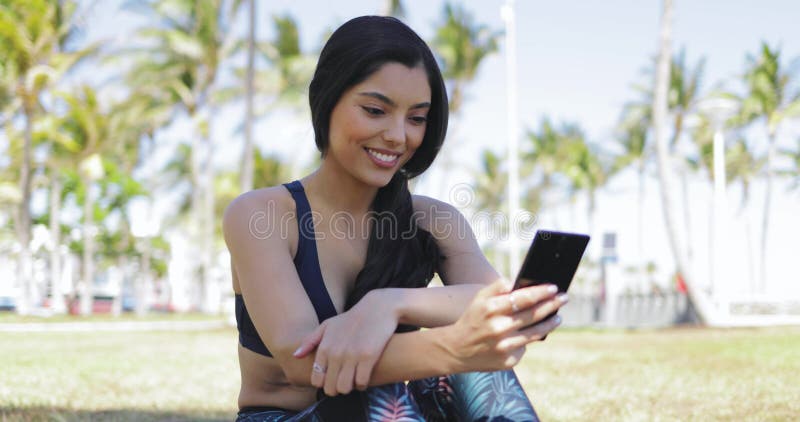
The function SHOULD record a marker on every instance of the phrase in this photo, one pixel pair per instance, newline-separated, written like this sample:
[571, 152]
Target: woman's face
[378, 124]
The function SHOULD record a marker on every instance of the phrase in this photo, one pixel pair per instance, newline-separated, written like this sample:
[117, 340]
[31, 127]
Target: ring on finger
[318, 368]
[513, 304]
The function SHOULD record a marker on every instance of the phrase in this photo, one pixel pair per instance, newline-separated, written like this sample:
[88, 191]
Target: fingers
[319, 369]
[310, 342]
[332, 377]
[345, 383]
[521, 299]
[363, 373]
[499, 286]
[539, 312]
[530, 334]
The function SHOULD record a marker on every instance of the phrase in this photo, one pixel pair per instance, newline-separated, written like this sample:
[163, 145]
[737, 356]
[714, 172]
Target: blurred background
[669, 132]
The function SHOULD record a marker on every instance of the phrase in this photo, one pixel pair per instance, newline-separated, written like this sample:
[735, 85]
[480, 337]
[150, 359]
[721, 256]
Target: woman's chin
[379, 180]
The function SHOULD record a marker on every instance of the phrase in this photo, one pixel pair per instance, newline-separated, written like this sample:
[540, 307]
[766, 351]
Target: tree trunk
[640, 223]
[749, 242]
[762, 282]
[88, 250]
[57, 304]
[687, 214]
[195, 229]
[246, 168]
[122, 262]
[25, 270]
[660, 111]
[116, 305]
[590, 210]
[211, 296]
[142, 281]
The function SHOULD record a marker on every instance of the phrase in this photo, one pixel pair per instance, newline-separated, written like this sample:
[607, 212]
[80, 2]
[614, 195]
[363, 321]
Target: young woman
[330, 271]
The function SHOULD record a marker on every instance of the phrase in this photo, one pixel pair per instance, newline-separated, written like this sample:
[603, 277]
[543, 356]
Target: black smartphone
[552, 258]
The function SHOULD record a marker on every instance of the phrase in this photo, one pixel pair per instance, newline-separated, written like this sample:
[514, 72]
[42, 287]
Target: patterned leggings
[473, 396]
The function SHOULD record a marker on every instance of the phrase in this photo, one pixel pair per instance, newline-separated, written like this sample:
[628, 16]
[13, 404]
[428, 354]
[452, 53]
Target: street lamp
[719, 110]
[507, 13]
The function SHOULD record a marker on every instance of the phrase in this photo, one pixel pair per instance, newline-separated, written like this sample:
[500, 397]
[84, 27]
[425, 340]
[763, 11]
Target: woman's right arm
[488, 335]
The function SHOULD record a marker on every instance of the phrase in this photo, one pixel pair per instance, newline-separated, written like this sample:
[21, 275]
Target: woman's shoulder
[434, 215]
[272, 196]
[426, 204]
[264, 206]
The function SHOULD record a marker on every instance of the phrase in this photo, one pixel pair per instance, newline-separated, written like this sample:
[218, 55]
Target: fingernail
[563, 297]
[558, 319]
[552, 288]
[297, 352]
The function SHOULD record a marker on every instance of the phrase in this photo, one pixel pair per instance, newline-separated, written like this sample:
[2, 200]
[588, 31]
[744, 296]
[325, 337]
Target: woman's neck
[339, 191]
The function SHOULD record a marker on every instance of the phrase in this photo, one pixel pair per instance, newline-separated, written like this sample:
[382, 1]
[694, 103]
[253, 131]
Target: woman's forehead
[398, 83]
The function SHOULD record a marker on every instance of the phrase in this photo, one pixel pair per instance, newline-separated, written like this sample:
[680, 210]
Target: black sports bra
[306, 261]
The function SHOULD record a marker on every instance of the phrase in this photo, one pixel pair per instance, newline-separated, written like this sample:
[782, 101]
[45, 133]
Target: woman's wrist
[445, 340]
[389, 300]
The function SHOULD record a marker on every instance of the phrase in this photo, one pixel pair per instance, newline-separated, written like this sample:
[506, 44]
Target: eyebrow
[387, 100]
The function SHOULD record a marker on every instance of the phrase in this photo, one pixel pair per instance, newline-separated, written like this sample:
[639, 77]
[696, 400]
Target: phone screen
[553, 257]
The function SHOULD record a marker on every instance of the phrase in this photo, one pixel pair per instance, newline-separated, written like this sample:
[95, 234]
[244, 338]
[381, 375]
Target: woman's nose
[396, 132]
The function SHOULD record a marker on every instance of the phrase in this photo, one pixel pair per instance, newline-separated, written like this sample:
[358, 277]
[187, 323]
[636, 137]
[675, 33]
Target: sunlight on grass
[678, 374]
[675, 374]
[189, 373]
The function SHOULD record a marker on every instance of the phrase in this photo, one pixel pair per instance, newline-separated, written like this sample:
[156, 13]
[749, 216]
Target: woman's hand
[349, 344]
[497, 325]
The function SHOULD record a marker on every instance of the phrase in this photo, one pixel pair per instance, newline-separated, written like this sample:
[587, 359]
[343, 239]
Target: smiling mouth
[381, 159]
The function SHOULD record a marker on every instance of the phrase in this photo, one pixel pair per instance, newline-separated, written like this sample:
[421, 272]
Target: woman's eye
[419, 119]
[373, 111]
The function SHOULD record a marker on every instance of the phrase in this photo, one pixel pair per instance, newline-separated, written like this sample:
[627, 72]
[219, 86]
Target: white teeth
[383, 157]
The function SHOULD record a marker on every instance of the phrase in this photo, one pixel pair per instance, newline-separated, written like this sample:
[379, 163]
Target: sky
[577, 62]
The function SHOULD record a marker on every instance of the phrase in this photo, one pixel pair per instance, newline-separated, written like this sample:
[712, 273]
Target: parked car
[8, 303]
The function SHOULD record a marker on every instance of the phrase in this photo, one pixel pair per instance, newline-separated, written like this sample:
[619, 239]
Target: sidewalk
[39, 327]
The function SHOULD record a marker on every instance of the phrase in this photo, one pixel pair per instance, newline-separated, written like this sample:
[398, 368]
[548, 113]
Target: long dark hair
[399, 254]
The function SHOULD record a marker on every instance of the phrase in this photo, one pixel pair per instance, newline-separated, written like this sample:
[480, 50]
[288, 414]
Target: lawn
[675, 374]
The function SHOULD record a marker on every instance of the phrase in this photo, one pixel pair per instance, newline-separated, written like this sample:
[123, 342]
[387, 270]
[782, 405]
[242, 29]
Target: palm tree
[101, 145]
[660, 113]
[394, 8]
[542, 161]
[768, 98]
[634, 125]
[180, 66]
[58, 158]
[792, 172]
[32, 33]
[585, 168]
[462, 45]
[246, 178]
[87, 132]
[282, 85]
[684, 89]
[490, 198]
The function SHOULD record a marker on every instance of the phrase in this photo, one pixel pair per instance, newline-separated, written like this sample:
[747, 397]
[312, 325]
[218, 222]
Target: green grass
[119, 376]
[675, 374]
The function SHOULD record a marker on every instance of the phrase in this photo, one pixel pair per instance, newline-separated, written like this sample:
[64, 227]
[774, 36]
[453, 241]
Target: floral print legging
[473, 396]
